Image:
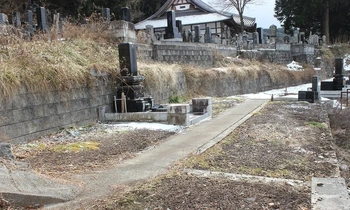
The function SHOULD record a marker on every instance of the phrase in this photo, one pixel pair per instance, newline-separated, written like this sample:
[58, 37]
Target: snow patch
[294, 66]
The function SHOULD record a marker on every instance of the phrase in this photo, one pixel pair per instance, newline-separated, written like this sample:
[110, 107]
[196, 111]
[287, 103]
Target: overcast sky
[263, 12]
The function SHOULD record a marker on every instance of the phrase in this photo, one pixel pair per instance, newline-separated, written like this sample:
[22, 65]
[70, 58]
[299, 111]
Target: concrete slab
[26, 188]
[329, 194]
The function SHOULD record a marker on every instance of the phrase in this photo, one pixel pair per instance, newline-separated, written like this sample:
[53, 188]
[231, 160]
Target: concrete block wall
[29, 115]
[189, 54]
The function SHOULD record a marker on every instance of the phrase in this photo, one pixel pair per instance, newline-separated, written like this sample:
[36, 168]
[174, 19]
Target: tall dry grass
[43, 63]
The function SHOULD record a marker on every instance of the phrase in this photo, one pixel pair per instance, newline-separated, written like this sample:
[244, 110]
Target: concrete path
[156, 161]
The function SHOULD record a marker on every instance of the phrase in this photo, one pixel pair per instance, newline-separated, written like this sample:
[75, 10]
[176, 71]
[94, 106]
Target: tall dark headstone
[338, 80]
[261, 35]
[339, 66]
[171, 31]
[127, 58]
[125, 14]
[106, 14]
[197, 33]
[41, 18]
[179, 25]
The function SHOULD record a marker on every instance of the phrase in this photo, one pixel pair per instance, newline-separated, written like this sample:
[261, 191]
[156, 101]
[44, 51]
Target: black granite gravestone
[308, 96]
[125, 14]
[130, 81]
[41, 19]
[197, 33]
[261, 35]
[171, 31]
[30, 22]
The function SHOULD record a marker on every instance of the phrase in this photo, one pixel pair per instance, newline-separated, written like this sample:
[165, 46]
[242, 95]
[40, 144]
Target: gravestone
[30, 22]
[150, 33]
[261, 35]
[273, 31]
[308, 96]
[127, 58]
[179, 26]
[3, 18]
[302, 37]
[315, 86]
[106, 14]
[255, 38]
[125, 14]
[207, 35]
[324, 39]
[197, 33]
[338, 80]
[41, 19]
[16, 19]
[286, 39]
[296, 36]
[130, 82]
[171, 31]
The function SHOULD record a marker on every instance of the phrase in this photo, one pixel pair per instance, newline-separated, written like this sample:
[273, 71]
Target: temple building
[193, 13]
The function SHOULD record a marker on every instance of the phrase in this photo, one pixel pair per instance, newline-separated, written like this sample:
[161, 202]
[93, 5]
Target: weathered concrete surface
[26, 188]
[329, 194]
[156, 161]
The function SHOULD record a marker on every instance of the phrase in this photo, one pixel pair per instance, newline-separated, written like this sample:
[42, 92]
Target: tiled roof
[208, 14]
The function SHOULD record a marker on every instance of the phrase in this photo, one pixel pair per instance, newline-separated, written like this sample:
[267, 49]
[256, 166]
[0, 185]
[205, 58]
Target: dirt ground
[290, 140]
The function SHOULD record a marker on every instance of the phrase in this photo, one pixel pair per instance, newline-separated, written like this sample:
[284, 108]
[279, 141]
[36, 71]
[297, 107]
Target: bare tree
[238, 5]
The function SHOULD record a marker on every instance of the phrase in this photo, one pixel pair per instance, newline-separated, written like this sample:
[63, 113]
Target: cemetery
[122, 88]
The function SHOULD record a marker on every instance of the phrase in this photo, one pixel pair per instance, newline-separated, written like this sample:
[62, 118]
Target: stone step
[329, 194]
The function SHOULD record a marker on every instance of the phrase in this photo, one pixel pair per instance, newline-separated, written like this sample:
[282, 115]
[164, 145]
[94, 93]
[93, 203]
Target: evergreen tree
[331, 18]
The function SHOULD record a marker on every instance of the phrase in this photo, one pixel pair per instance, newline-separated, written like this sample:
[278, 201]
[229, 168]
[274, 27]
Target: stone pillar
[127, 58]
[261, 35]
[273, 33]
[106, 14]
[302, 37]
[3, 18]
[255, 38]
[197, 34]
[207, 35]
[178, 114]
[171, 31]
[296, 36]
[30, 22]
[179, 26]
[125, 14]
[16, 19]
[41, 19]
[150, 33]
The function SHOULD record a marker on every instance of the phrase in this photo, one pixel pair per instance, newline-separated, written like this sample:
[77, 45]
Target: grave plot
[285, 140]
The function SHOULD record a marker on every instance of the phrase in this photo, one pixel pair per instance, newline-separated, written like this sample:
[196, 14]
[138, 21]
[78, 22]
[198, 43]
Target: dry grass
[45, 64]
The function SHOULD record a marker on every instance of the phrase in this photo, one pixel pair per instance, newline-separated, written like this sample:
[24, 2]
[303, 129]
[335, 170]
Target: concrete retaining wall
[30, 115]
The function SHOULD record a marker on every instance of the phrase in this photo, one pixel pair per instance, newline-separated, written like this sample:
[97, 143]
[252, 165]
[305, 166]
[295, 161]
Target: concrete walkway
[156, 161]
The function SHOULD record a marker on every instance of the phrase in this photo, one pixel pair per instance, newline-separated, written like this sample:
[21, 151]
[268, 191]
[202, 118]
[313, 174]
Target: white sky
[263, 12]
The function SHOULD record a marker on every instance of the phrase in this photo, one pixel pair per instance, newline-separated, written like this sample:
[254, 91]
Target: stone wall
[186, 53]
[29, 115]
